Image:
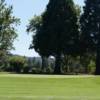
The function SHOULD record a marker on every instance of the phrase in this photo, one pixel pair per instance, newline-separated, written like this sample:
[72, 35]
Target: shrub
[17, 63]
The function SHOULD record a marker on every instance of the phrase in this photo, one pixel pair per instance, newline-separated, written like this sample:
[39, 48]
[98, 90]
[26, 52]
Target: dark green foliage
[35, 27]
[90, 25]
[60, 30]
[57, 31]
[60, 26]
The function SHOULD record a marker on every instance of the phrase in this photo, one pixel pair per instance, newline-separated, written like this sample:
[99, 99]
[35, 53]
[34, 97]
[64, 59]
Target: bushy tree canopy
[7, 26]
[58, 31]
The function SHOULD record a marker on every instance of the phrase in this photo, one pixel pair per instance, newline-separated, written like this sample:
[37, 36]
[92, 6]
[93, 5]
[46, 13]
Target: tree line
[61, 31]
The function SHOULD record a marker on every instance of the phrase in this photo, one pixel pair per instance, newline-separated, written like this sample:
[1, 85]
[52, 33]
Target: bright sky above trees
[25, 10]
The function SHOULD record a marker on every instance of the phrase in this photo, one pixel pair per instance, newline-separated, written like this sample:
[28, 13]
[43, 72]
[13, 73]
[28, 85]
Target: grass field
[36, 87]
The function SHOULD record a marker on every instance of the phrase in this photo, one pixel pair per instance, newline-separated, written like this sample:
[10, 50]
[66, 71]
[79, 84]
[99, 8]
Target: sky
[25, 10]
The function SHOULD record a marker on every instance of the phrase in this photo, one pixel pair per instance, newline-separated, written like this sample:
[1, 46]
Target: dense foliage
[58, 33]
[72, 40]
[7, 26]
[17, 63]
[90, 25]
[7, 30]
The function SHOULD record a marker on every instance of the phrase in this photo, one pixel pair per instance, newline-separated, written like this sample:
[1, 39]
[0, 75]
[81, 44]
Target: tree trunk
[86, 69]
[44, 63]
[97, 71]
[57, 69]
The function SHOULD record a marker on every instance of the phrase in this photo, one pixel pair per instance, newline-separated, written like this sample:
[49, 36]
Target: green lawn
[30, 87]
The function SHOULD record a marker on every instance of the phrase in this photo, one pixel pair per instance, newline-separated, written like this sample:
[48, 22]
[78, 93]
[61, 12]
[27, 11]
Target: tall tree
[60, 29]
[90, 26]
[34, 26]
[7, 23]
[7, 28]
[57, 31]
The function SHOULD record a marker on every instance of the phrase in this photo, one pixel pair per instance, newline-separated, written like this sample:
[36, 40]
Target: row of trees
[60, 32]
[20, 64]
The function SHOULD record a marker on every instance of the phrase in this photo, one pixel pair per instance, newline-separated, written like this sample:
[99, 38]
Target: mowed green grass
[30, 87]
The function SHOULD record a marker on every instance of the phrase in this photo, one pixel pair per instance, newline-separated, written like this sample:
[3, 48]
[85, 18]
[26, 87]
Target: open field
[40, 87]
